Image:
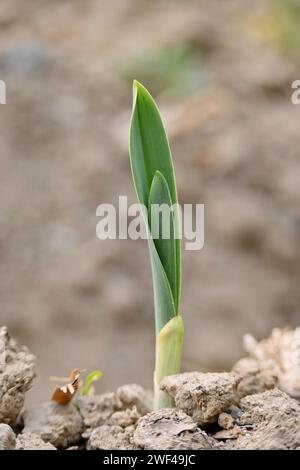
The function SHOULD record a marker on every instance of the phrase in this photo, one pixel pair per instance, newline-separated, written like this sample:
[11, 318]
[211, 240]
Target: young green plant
[91, 378]
[154, 180]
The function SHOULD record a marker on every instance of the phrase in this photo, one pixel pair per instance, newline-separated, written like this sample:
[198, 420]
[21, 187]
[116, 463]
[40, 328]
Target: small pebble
[226, 421]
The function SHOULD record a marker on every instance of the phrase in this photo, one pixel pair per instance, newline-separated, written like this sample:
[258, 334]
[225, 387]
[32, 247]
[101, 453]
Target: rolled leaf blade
[163, 227]
[149, 153]
[163, 298]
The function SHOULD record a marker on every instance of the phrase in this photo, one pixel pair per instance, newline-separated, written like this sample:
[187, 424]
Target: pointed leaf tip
[137, 85]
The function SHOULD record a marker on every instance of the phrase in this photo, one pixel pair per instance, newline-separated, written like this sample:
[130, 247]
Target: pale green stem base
[168, 358]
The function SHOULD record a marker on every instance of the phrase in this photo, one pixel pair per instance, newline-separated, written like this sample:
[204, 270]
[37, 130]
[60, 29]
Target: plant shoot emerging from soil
[154, 180]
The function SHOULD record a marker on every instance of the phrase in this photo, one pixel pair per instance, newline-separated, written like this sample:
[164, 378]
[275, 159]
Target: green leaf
[92, 377]
[163, 297]
[149, 154]
[159, 197]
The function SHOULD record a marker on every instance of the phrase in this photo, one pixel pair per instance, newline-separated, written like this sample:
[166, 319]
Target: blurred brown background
[222, 73]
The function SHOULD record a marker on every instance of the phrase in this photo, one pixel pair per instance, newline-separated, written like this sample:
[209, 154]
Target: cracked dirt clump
[203, 396]
[111, 438]
[117, 433]
[98, 410]
[170, 429]
[30, 441]
[273, 422]
[17, 371]
[61, 425]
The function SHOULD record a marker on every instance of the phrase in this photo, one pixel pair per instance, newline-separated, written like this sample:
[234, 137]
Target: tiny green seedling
[154, 180]
[92, 377]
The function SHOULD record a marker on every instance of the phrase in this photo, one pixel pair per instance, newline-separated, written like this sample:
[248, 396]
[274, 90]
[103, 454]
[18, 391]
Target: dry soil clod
[203, 396]
[17, 371]
[170, 429]
[116, 433]
[30, 441]
[271, 420]
[111, 437]
[98, 410]
[61, 425]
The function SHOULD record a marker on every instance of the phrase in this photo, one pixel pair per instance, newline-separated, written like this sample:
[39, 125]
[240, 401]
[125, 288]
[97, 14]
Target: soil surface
[213, 411]
[81, 303]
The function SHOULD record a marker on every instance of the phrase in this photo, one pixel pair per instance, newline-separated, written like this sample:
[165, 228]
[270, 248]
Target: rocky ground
[255, 406]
